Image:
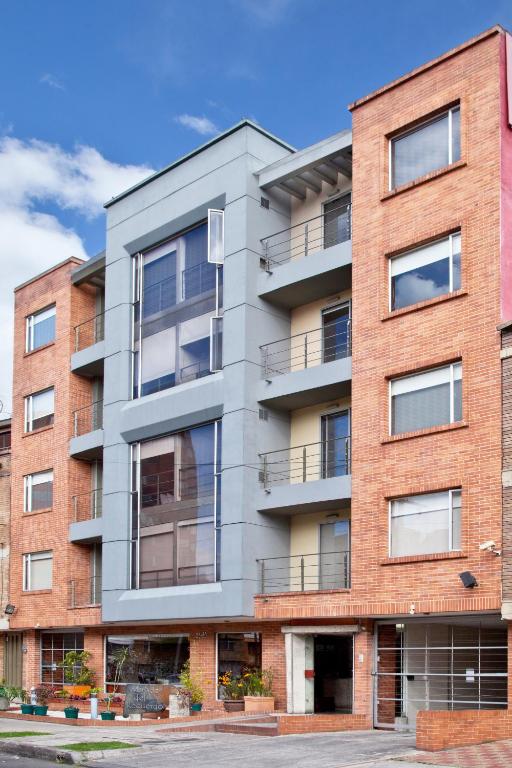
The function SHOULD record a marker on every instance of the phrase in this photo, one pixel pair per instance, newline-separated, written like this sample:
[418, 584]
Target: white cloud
[202, 125]
[267, 12]
[52, 81]
[32, 173]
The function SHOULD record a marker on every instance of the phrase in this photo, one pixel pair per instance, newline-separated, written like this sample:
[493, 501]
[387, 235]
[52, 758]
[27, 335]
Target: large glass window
[425, 272]
[335, 445]
[37, 571]
[430, 146]
[334, 555]
[40, 329]
[425, 524]
[237, 652]
[426, 399]
[151, 659]
[39, 410]
[178, 291]
[337, 221]
[54, 646]
[176, 509]
[38, 491]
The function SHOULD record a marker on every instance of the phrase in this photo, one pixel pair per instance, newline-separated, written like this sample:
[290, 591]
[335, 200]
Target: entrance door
[335, 434]
[13, 659]
[333, 673]
[336, 332]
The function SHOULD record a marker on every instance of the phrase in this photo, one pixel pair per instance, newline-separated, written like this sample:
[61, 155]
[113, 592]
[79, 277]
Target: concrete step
[265, 727]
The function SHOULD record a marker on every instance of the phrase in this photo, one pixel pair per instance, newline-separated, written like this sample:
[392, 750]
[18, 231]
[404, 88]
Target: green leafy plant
[190, 686]
[258, 682]
[11, 692]
[76, 671]
[233, 687]
[119, 659]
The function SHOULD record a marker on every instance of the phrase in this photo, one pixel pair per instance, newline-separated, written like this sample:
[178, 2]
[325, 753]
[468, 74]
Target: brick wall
[444, 730]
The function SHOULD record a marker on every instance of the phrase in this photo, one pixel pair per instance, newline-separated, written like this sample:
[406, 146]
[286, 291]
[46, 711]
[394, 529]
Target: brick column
[203, 663]
[363, 665]
[31, 659]
[94, 643]
[273, 657]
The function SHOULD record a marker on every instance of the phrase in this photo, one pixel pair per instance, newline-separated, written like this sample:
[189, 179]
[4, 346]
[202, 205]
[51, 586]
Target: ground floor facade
[387, 670]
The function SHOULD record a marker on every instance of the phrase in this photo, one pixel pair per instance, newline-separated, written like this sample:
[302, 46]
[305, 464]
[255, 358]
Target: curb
[34, 750]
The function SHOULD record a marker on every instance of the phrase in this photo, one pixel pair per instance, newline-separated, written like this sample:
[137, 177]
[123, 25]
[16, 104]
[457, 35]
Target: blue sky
[140, 82]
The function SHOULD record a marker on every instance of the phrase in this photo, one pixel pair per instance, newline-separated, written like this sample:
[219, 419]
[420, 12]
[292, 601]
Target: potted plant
[233, 692]
[78, 678]
[7, 695]
[119, 660]
[191, 688]
[26, 707]
[43, 693]
[258, 690]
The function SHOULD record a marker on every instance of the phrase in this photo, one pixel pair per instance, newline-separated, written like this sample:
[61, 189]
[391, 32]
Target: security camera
[490, 546]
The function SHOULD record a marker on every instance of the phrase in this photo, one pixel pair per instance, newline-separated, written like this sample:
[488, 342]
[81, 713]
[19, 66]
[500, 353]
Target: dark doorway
[333, 673]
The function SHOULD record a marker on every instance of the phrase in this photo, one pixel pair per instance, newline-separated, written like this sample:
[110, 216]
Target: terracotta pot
[78, 690]
[234, 705]
[259, 703]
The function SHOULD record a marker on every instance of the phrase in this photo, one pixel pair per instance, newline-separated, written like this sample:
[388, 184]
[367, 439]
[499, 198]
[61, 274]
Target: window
[5, 441]
[432, 145]
[151, 658]
[39, 410]
[176, 513]
[335, 428]
[237, 652]
[38, 491]
[178, 308]
[426, 272]
[336, 332]
[425, 524]
[337, 221]
[54, 646]
[334, 555]
[40, 329]
[426, 399]
[37, 571]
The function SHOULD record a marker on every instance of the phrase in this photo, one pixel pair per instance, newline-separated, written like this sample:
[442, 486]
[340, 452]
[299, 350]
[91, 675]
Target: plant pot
[40, 709]
[234, 705]
[259, 703]
[27, 709]
[108, 715]
[196, 707]
[78, 690]
[71, 713]
[4, 703]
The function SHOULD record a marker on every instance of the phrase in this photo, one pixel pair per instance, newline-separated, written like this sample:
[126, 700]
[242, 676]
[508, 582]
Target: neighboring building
[5, 513]
[268, 428]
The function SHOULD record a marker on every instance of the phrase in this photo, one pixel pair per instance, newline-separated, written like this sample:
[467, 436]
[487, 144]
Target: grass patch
[13, 734]
[97, 746]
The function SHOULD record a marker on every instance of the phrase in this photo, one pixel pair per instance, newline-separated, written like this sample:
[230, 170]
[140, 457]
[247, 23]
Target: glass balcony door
[334, 555]
[337, 222]
[336, 332]
[335, 435]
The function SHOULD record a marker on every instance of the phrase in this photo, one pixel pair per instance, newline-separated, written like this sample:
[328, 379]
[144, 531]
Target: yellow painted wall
[306, 321]
[305, 430]
[305, 541]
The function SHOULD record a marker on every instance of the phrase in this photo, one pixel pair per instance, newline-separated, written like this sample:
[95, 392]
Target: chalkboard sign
[146, 698]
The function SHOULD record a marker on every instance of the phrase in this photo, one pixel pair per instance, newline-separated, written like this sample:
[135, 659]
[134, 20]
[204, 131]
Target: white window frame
[30, 323]
[28, 484]
[451, 366]
[394, 259]
[450, 492]
[213, 257]
[27, 561]
[29, 408]
[449, 112]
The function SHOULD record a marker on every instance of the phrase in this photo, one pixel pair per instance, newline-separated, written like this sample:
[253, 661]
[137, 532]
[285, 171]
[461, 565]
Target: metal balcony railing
[87, 506]
[304, 463]
[300, 573]
[88, 418]
[308, 237]
[198, 279]
[305, 350]
[90, 332]
[84, 592]
[178, 484]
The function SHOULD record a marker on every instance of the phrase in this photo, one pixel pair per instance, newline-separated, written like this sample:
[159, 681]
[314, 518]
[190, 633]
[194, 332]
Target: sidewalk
[497, 754]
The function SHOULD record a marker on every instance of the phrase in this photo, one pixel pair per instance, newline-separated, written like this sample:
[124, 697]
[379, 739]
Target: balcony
[309, 260]
[306, 478]
[308, 368]
[87, 440]
[87, 511]
[304, 573]
[87, 359]
[84, 593]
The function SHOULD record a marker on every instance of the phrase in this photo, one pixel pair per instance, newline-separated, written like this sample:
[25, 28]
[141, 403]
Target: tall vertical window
[334, 561]
[178, 308]
[39, 409]
[433, 144]
[426, 272]
[426, 399]
[176, 508]
[40, 329]
[425, 524]
[337, 220]
[38, 491]
[237, 652]
[37, 571]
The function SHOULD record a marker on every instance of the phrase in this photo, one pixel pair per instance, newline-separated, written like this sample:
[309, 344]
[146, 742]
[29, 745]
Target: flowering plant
[258, 682]
[233, 686]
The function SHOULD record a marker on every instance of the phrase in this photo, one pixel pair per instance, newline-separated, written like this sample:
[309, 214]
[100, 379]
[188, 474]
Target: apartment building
[5, 513]
[264, 427]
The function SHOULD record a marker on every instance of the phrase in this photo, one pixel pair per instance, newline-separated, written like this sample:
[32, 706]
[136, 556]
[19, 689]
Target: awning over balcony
[307, 168]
